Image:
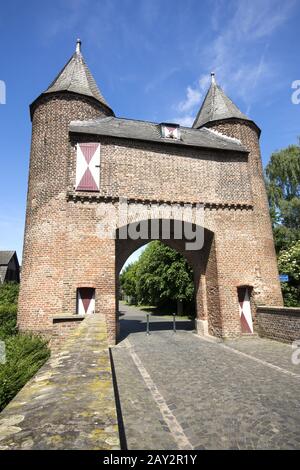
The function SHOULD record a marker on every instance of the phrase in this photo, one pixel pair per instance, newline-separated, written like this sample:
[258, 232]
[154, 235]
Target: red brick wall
[267, 286]
[64, 248]
[41, 293]
[153, 171]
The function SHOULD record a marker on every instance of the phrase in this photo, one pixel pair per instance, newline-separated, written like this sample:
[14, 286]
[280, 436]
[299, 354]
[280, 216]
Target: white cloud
[204, 82]
[185, 121]
[250, 27]
[238, 53]
[259, 18]
[188, 108]
[193, 98]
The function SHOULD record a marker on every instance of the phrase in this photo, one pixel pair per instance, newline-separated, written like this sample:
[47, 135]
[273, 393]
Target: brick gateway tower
[84, 161]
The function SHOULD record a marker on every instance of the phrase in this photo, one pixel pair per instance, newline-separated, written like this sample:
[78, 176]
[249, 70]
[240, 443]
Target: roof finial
[78, 46]
[213, 78]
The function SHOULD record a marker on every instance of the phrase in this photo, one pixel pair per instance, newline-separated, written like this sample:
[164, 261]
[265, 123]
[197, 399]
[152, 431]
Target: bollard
[174, 322]
[148, 329]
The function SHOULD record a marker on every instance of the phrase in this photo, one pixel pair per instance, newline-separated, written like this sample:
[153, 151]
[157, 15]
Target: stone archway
[202, 261]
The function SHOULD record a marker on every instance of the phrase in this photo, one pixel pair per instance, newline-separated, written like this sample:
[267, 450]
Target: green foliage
[25, 354]
[9, 292]
[8, 309]
[128, 280]
[289, 263]
[8, 322]
[160, 276]
[283, 186]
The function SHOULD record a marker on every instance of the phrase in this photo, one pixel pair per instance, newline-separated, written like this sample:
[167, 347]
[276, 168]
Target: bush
[8, 309]
[291, 295]
[8, 321]
[289, 263]
[25, 354]
[9, 292]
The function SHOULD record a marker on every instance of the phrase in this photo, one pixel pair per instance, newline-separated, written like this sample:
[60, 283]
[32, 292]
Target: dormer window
[170, 131]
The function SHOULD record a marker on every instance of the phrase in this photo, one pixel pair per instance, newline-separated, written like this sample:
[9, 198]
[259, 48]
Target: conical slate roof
[216, 106]
[77, 78]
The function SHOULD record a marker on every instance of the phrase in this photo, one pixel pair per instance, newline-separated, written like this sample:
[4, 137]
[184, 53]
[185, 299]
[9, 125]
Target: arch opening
[201, 261]
[155, 283]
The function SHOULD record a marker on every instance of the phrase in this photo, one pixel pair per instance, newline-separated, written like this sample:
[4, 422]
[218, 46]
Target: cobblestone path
[179, 391]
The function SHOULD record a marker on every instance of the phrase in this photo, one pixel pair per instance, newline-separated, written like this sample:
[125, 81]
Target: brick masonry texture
[281, 324]
[63, 245]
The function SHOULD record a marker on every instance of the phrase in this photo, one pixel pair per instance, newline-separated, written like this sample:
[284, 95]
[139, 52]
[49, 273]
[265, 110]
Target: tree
[283, 186]
[128, 280]
[289, 263]
[160, 276]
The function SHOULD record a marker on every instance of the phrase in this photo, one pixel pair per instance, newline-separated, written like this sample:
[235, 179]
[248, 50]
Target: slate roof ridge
[142, 121]
[126, 119]
[149, 131]
[227, 137]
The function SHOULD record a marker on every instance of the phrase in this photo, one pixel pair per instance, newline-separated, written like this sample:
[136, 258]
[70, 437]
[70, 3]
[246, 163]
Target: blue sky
[152, 60]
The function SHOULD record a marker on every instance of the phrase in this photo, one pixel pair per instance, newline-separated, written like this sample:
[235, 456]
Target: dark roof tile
[217, 106]
[5, 257]
[77, 78]
[149, 131]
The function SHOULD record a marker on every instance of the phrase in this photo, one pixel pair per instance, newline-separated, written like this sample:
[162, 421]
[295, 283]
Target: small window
[88, 167]
[85, 301]
[170, 131]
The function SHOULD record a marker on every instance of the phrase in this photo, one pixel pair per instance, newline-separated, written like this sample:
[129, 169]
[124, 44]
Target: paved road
[178, 391]
[133, 320]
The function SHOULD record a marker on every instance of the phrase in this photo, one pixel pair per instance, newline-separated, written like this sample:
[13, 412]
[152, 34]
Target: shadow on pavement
[129, 325]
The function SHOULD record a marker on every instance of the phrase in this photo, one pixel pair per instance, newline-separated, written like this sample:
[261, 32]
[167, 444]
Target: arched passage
[202, 260]
[136, 302]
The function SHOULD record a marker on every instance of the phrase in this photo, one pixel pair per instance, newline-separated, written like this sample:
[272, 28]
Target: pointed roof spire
[78, 46]
[217, 106]
[77, 78]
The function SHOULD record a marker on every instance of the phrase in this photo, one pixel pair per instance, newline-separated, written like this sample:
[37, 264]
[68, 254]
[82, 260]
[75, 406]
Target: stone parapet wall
[70, 402]
[63, 325]
[278, 323]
